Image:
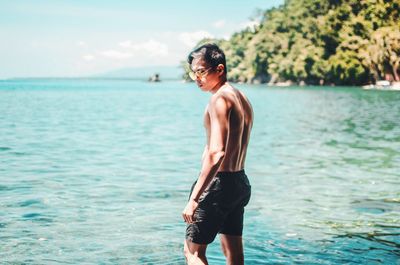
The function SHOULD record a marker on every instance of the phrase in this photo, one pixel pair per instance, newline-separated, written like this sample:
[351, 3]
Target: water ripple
[98, 172]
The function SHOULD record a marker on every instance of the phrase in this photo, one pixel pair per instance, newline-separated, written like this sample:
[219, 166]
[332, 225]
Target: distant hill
[165, 72]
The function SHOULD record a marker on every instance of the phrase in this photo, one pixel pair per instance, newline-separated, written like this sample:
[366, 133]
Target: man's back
[240, 121]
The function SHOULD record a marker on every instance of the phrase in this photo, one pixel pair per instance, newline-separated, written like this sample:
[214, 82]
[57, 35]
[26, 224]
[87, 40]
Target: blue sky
[80, 38]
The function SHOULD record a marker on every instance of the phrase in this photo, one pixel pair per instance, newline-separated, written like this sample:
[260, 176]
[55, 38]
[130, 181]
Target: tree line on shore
[326, 42]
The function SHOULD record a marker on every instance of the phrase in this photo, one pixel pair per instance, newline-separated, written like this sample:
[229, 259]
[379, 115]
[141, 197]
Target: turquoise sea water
[98, 172]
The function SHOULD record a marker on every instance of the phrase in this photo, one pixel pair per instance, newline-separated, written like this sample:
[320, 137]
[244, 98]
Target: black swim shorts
[221, 208]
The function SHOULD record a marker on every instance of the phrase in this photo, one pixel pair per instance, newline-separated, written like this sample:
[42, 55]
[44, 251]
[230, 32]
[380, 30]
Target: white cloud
[81, 43]
[151, 47]
[125, 44]
[113, 54]
[219, 24]
[88, 57]
[192, 38]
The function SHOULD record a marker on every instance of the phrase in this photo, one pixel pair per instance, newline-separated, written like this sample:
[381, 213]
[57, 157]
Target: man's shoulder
[225, 95]
[219, 104]
[220, 101]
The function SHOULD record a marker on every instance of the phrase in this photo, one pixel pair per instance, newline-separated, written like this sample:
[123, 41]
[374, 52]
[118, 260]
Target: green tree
[318, 41]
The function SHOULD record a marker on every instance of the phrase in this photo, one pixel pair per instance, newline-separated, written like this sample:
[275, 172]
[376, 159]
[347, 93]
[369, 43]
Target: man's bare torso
[239, 127]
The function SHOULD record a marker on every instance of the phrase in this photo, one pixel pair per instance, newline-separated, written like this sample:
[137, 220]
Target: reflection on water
[99, 172]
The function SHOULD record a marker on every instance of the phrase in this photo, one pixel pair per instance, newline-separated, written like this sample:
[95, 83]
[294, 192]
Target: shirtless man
[217, 199]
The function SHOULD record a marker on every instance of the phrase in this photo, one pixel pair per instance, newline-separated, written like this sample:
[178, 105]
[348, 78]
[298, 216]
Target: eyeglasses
[199, 73]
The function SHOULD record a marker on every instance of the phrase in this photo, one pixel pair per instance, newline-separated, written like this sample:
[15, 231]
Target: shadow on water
[161, 194]
[37, 217]
[4, 148]
[382, 239]
[376, 206]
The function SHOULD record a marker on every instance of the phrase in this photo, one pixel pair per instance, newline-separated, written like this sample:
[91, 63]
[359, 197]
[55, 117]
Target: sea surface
[99, 171]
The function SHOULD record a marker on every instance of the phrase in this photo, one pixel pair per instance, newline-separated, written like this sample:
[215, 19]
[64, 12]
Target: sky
[76, 38]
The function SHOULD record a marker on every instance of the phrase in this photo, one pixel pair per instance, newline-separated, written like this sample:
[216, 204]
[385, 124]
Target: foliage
[340, 42]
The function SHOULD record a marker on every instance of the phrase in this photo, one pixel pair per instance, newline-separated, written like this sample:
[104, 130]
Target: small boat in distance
[155, 78]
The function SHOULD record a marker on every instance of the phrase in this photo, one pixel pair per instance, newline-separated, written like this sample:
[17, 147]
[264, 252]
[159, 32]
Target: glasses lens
[192, 75]
[198, 74]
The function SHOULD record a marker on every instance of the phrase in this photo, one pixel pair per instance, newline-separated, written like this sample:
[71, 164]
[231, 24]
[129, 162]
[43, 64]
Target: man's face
[206, 77]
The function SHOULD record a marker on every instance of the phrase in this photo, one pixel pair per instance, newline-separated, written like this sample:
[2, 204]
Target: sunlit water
[98, 172]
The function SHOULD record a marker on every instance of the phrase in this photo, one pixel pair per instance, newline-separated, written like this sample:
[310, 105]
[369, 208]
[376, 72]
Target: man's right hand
[188, 212]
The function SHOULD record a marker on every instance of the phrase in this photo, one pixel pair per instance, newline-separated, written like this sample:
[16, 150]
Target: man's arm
[213, 156]
[204, 153]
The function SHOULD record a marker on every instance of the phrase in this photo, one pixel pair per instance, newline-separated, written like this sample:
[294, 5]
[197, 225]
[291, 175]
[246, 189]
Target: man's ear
[220, 68]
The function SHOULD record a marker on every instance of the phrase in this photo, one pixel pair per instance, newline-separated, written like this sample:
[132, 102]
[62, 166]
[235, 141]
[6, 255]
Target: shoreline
[383, 86]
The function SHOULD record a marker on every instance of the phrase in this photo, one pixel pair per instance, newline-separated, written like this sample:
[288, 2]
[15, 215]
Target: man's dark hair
[210, 53]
